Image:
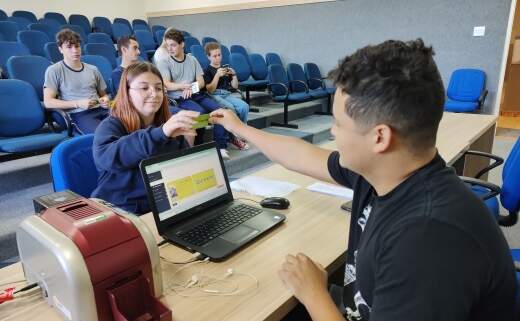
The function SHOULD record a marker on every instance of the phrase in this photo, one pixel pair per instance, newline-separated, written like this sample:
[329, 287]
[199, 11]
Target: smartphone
[347, 206]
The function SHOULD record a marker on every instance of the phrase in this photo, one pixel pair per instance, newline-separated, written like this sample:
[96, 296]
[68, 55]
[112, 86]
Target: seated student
[162, 52]
[75, 86]
[179, 71]
[421, 245]
[140, 126]
[128, 49]
[220, 82]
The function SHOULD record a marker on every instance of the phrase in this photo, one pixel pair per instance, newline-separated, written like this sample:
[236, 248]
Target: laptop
[193, 207]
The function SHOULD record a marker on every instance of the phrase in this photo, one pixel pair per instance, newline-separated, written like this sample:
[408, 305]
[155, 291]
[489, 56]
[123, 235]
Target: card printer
[93, 262]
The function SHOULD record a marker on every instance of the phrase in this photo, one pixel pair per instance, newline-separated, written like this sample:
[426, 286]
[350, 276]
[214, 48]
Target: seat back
[157, 27]
[190, 41]
[72, 166]
[466, 84]
[123, 21]
[100, 37]
[23, 24]
[258, 66]
[239, 49]
[225, 54]
[49, 30]
[102, 24]
[277, 74]
[145, 40]
[272, 58]
[198, 52]
[313, 75]
[102, 49]
[185, 33]
[51, 22]
[205, 40]
[52, 52]
[295, 72]
[82, 21]
[30, 69]
[239, 63]
[77, 29]
[104, 67]
[3, 15]
[9, 30]
[510, 194]
[159, 35]
[9, 49]
[20, 110]
[120, 30]
[25, 14]
[140, 24]
[34, 41]
[56, 16]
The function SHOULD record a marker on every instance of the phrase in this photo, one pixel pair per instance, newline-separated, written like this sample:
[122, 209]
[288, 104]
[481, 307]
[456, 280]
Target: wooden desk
[315, 225]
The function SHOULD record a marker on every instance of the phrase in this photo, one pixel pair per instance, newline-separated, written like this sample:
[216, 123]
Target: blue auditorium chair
[102, 24]
[34, 41]
[56, 16]
[100, 37]
[314, 78]
[22, 117]
[280, 88]
[102, 49]
[23, 23]
[205, 40]
[185, 33]
[146, 42]
[52, 52]
[159, 35]
[466, 91]
[49, 30]
[190, 41]
[198, 52]
[30, 69]
[51, 22]
[72, 166]
[120, 29]
[239, 63]
[25, 14]
[9, 49]
[299, 84]
[225, 54]
[272, 58]
[3, 15]
[123, 21]
[139, 24]
[9, 30]
[77, 29]
[82, 21]
[104, 67]
[239, 49]
[155, 28]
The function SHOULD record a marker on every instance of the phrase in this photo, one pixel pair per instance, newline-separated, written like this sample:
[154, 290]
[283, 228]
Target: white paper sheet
[330, 189]
[263, 187]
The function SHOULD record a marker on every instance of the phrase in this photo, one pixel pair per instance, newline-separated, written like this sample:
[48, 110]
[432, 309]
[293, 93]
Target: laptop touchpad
[239, 234]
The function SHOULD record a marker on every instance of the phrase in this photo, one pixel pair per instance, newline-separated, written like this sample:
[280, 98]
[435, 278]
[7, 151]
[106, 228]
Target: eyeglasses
[146, 89]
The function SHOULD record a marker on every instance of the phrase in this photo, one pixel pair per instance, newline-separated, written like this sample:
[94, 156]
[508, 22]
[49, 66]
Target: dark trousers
[204, 105]
[86, 122]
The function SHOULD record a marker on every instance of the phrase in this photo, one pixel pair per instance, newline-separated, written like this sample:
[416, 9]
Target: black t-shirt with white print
[427, 250]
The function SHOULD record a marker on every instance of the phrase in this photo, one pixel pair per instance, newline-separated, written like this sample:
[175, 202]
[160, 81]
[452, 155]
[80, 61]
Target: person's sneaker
[239, 143]
[224, 153]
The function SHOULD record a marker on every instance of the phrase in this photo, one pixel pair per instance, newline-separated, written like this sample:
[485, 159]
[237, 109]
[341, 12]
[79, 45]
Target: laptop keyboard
[202, 234]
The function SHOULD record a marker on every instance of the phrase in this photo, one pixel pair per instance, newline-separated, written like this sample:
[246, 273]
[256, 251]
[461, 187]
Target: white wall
[107, 8]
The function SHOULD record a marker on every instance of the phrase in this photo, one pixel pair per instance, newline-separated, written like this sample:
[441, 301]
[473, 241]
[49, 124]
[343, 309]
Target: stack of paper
[330, 189]
[263, 187]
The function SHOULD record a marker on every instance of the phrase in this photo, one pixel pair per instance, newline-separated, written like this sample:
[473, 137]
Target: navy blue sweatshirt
[117, 155]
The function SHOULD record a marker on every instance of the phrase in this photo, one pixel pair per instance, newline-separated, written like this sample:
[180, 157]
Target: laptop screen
[181, 183]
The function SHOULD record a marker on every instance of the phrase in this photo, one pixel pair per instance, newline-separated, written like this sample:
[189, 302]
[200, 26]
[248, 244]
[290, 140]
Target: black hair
[394, 83]
[124, 41]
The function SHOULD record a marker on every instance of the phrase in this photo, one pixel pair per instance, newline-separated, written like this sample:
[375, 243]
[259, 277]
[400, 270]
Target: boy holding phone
[221, 81]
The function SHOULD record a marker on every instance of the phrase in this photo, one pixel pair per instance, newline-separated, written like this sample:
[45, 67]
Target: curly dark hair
[174, 35]
[67, 36]
[394, 83]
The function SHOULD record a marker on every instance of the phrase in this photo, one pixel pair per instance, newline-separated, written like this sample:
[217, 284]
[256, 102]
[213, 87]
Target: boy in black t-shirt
[421, 245]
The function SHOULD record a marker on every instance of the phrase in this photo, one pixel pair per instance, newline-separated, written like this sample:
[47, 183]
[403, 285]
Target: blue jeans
[204, 104]
[86, 122]
[228, 100]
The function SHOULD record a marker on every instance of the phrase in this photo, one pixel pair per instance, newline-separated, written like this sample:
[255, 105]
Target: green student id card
[201, 121]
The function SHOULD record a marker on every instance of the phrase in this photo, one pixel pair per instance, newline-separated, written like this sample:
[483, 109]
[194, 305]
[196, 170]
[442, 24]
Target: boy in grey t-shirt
[75, 87]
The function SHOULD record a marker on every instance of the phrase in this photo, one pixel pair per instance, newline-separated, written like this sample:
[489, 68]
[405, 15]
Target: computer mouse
[278, 203]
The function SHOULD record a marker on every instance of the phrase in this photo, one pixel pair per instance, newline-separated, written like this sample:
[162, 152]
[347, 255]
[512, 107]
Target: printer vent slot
[80, 210]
